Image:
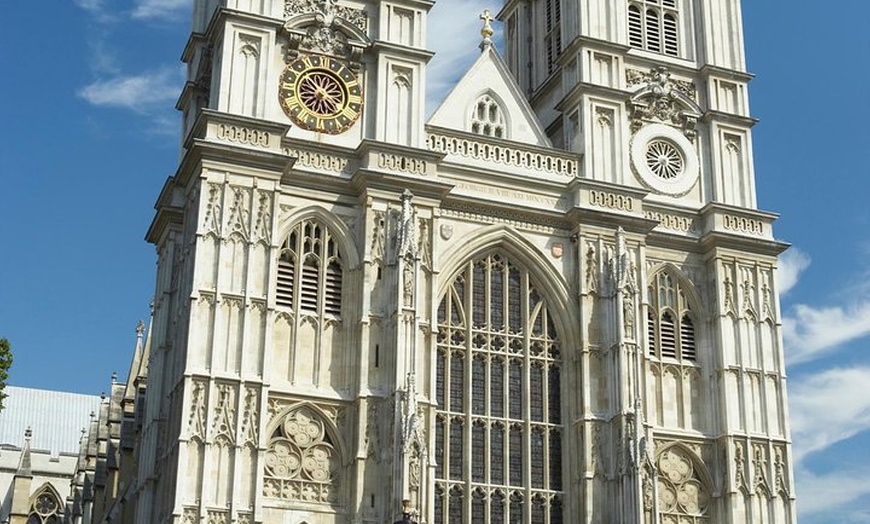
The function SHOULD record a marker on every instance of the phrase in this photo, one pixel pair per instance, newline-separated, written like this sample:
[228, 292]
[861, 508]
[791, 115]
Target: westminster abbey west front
[552, 301]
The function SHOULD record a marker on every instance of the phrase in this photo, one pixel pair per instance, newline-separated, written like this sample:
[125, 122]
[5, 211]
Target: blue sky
[90, 134]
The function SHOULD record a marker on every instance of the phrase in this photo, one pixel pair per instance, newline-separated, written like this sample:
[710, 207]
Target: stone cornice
[381, 46]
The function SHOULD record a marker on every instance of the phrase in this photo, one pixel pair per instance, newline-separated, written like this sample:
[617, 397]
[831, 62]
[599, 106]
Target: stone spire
[24, 465]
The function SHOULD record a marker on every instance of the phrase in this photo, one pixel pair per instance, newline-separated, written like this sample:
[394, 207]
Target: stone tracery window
[302, 460]
[653, 26]
[45, 508]
[487, 118]
[310, 270]
[670, 320]
[683, 497]
[498, 427]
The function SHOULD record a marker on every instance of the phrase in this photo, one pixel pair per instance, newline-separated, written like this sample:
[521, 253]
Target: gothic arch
[686, 284]
[500, 377]
[340, 231]
[46, 506]
[551, 282]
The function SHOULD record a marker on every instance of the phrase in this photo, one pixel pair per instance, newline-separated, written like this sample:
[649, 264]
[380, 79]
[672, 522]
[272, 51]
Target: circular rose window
[664, 160]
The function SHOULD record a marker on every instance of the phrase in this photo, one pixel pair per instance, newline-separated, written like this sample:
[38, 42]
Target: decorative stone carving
[766, 298]
[217, 517]
[196, 422]
[412, 428]
[301, 460]
[739, 466]
[680, 489]
[729, 295]
[424, 247]
[324, 33]
[263, 223]
[759, 467]
[748, 302]
[663, 99]
[224, 425]
[780, 485]
[379, 236]
[250, 417]
[446, 231]
[190, 516]
[327, 11]
[407, 241]
[244, 518]
[591, 269]
[240, 214]
[213, 215]
[408, 285]
[511, 156]
[373, 431]
[597, 466]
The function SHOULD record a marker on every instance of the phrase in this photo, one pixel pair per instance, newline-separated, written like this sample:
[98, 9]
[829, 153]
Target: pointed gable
[488, 101]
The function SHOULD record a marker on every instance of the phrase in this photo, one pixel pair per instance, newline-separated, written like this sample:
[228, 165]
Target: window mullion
[468, 409]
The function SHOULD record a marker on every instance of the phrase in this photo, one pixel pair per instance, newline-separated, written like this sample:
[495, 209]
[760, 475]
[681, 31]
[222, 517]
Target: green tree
[5, 364]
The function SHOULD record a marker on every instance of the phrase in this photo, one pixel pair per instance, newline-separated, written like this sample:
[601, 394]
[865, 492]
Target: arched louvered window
[310, 270]
[653, 25]
[670, 324]
[45, 507]
[498, 430]
[487, 118]
[553, 32]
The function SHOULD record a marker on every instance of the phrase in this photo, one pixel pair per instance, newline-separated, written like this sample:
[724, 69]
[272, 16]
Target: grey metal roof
[55, 417]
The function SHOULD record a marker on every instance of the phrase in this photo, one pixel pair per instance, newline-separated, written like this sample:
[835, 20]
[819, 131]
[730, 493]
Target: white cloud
[828, 494]
[827, 408]
[139, 93]
[454, 33]
[89, 5]
[810, 333]
[791, 265]
[146, 9]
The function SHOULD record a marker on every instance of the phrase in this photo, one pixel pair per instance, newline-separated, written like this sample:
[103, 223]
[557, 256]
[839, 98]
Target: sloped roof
[489, 75]
[55, 417]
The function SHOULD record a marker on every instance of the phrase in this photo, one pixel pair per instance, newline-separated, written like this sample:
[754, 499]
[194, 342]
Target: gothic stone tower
[552, 302]
[683, 402]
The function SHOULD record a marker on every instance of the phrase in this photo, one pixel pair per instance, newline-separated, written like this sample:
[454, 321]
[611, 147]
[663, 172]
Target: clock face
[320, 94]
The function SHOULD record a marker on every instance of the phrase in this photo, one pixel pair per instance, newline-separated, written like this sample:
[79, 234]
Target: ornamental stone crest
[322, 26]
[663, 99]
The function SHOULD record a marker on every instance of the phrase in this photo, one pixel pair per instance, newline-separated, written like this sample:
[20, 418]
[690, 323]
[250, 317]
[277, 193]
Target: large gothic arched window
[310, 270]
[498, 432]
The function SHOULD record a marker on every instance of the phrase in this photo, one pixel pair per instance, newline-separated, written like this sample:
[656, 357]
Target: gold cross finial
[487, 31]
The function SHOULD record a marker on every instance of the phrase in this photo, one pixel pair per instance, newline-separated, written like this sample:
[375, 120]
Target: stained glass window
[504, 427]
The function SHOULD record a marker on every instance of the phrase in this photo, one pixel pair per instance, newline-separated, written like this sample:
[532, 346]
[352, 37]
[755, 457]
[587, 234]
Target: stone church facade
[551, 301]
